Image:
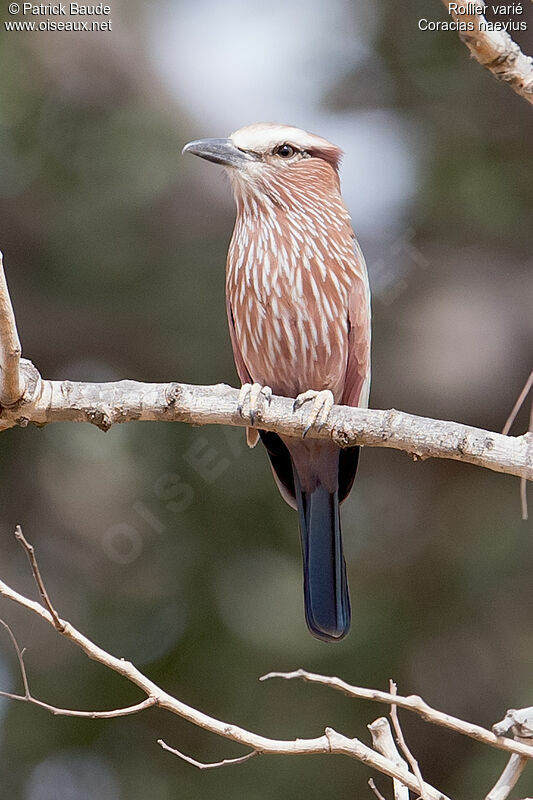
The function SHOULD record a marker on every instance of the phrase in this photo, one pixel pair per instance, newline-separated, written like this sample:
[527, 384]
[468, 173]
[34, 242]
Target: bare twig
[20, 659]
[507, 427]
[375, 789]
[412, 703]
[518, 405]
[11, 379]
[524, 511]
[211, 764]
[30, 552]
[72, 712]
[508, 778]
[402, 743]
[495, 50]
[383, 742]
[27, 697]
[520, 401]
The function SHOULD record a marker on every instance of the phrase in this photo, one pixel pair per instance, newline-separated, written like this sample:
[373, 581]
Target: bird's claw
[255, 394]
[323, 402]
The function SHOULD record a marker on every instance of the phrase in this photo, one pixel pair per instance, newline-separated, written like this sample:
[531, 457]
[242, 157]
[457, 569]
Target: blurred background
[114, 249]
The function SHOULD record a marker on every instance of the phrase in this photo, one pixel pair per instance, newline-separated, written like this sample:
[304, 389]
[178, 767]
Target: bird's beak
[220, 151]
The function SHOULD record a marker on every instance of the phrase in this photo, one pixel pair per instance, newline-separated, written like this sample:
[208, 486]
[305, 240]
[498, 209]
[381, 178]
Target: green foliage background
[114, 248]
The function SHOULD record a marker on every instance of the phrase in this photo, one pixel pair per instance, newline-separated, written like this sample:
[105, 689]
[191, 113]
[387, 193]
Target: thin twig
[375, 789]
[401, 740]
[57, 711]
[518, 405]
[226, 762]
[412, 703]
[27, 697]
[30, 552]
[524, 510]
[507, 427]
[20, 658]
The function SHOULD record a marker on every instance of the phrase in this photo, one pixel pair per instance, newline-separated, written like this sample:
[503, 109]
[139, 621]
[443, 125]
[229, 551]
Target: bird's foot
[322, 404]
[256, 395]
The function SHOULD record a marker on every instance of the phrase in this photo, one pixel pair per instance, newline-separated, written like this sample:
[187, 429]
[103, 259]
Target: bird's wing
[252, 435]
[357, 380]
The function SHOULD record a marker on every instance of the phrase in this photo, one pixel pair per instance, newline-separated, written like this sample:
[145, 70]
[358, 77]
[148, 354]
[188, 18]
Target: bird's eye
[285, 151]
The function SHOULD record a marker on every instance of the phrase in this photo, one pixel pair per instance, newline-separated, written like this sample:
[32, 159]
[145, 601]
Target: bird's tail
[327, 602]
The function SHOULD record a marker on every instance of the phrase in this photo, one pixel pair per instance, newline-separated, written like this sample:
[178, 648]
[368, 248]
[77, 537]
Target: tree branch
[36, 401]
[11, 378]
[518, 722]
[415, 704]
[104, 404]
[508, 779]
[400, 739]
[496, 51]
[330, 742]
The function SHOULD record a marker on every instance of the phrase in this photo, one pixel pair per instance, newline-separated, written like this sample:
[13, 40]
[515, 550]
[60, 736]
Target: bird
[298, 308]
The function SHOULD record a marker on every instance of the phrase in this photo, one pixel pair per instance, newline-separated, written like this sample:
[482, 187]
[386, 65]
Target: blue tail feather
[327, 602]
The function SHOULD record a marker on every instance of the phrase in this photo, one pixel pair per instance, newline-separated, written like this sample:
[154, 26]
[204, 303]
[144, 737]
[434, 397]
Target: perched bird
[298, 305]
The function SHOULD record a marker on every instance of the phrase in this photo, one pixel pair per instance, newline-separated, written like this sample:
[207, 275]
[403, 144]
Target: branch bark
[496, 51]
[105, 404]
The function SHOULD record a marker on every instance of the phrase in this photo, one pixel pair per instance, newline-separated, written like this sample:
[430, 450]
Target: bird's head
[263, 156]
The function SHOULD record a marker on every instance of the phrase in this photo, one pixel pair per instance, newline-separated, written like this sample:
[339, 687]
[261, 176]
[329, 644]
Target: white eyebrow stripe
[262, 137]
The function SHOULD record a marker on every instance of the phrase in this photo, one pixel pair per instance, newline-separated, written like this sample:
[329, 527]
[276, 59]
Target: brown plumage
[298, 306]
